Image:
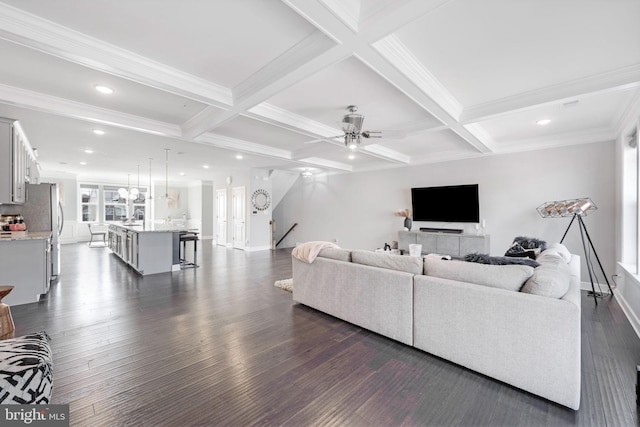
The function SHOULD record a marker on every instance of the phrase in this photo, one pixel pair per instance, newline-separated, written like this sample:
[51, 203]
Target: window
[115, 206]
[89, 202]
[139, 205]
[104, 203]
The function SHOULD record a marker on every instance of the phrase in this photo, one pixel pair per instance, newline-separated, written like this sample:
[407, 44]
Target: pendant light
[133, 193]
[124, 192]
[149, 196]
[166, 173]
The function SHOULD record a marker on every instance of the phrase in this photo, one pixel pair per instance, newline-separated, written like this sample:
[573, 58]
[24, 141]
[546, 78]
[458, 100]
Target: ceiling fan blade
[386, 134]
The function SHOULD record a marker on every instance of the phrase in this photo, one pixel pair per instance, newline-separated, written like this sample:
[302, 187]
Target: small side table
[7, 327]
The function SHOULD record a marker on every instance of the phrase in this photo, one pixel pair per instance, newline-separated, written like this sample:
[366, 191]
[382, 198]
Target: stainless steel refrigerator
[43, 212]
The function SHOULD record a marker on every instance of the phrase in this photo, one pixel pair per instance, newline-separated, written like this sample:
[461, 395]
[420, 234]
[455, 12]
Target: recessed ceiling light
[182, 174]
[104, 89]
[88, 151]
[543, 122]
[83, 163]
[239, 156]
[205, 166]
[351, 156]
[98, 131]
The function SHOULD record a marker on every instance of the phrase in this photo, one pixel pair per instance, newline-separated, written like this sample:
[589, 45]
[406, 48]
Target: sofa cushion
[510, 277]
[409, 264]
[336, 253]
[551, 279]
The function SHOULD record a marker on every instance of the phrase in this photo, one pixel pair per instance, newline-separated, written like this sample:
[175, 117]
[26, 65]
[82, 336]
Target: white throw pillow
[560, 249]
[551, 279]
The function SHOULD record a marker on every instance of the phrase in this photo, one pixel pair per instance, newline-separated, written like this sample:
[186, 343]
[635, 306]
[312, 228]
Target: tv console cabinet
[455, 245]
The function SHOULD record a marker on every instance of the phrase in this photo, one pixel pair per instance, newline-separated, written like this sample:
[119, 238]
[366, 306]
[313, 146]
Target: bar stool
[184, 238]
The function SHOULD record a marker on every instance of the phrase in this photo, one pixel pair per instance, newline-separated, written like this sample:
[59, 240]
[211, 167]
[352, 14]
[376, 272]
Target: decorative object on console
[577, 208]
[406, 214]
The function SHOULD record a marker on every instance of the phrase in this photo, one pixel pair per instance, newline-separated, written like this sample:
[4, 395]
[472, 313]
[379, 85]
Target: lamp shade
[565, 208]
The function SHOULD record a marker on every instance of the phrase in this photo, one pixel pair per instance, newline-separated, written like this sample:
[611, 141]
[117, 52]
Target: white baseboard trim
[626, 308]
[257, 248]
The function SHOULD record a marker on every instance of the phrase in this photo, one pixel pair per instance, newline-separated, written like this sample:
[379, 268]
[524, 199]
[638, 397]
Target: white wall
[161, 209]
[357, 209]
[259, 227]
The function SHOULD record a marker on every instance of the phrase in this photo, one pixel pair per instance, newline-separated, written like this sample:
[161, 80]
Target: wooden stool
[7, 327]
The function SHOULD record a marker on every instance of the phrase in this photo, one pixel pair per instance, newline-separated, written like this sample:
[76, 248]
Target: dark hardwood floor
[220, 345]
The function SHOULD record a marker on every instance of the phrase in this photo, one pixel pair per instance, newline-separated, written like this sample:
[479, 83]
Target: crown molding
[588, 136]
[63, 107]
[621, 79]
[348, 11]
[37, 33]
[394, 51]
[385, 153]
[629, 118]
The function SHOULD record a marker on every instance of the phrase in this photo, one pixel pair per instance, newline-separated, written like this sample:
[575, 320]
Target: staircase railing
[287, 233]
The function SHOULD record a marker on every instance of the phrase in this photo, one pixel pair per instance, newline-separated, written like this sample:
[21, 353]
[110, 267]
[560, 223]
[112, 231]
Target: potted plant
[407, 218]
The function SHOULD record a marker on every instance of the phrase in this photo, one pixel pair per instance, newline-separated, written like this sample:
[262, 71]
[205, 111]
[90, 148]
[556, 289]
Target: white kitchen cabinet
[18, 164]
[25, 264]
[147, 251]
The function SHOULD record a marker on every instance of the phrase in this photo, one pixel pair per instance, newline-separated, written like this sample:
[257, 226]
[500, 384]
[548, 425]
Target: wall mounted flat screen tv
[456, 203]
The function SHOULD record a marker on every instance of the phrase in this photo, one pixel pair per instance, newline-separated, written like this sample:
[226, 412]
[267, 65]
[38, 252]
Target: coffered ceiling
[212, 80]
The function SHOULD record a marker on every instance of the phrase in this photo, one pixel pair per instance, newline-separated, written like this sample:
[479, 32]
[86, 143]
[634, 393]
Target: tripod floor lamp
[577, 208]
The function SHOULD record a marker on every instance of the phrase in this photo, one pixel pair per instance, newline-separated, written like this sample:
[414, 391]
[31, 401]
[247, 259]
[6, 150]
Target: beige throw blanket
[308, 251]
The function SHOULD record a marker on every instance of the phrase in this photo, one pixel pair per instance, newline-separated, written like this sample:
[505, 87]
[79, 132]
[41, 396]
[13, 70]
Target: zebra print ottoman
[25, 370]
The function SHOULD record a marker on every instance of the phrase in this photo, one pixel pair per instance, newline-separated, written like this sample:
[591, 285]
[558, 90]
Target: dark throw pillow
[516, 250]
[530, 242]
[499, 260]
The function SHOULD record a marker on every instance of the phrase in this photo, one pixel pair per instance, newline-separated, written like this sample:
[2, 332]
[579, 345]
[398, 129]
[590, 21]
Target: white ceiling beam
[329, 164]
[63, 107]
[418, 93]
[234, 144]
[37, 33]
[285, 119]
[621, 79]
[385, 153]
[305, 59]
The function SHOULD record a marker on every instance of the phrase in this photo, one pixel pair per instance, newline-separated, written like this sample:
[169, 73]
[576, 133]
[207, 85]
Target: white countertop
[153, 228]
[7, 236]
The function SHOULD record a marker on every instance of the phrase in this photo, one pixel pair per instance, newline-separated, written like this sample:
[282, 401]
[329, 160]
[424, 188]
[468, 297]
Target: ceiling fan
[352, 127]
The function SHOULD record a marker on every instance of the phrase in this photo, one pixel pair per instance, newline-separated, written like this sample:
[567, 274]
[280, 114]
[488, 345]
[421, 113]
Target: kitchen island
[149, 248]
[25, 263]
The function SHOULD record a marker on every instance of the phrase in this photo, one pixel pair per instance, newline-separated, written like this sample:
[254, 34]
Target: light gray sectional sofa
[514, 323]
